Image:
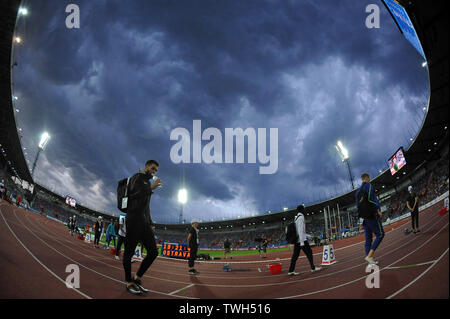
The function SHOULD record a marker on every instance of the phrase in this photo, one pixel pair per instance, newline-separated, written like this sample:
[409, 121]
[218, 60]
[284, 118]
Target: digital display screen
[71, 201]
[397, 161]
[175, 250]
[404, 23]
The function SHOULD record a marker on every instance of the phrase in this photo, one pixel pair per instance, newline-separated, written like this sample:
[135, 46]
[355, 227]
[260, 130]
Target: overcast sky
[111, 92]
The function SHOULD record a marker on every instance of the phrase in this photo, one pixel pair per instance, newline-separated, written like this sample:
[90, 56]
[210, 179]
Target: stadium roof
[431, 23]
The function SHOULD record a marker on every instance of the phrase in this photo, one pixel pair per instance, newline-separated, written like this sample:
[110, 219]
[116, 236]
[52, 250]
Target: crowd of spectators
[430, 186]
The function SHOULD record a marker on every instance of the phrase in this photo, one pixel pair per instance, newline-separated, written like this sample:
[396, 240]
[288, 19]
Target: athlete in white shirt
[301, 244]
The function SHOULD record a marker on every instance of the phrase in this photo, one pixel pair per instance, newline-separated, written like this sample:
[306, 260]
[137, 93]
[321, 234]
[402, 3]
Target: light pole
[44, 140]
[182, 199]
[345, 158]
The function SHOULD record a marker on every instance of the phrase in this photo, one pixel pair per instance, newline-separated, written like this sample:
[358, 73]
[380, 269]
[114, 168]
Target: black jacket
[139, 193]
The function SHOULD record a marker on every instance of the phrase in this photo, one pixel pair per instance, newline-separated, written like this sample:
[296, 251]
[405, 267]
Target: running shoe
[193, 272]
[316, 269]
[117, 257]
[134, 289]
[293, 273]
[138, 283]
[371, 261]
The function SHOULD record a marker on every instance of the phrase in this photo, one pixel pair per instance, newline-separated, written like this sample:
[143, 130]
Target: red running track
[37, 250]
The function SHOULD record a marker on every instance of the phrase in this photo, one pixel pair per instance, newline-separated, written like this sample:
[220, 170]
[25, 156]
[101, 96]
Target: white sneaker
[371, 261]
[293, 273]
[316, 269]
[117, 257]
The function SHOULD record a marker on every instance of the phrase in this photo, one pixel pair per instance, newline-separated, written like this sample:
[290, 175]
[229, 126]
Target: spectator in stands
[193, 242]
[302, 243]
[369, 209]
[98, 231]
[413, 205]
[110, 234]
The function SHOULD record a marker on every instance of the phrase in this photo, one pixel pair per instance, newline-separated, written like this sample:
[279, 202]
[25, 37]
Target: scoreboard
[175, 250]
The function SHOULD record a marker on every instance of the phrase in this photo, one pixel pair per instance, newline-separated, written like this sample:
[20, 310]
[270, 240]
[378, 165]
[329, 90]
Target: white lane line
[177, 291]
[41, 263]
[418, 277]
[103, 275]
[355, 280]
[412, 265]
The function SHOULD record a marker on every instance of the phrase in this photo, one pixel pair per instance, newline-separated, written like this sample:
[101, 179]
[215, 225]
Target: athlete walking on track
[139, 225]
[301, 244]
[369, 210]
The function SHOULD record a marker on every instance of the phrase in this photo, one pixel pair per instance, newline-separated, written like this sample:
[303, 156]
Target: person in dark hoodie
[369, 210]
[139, 225]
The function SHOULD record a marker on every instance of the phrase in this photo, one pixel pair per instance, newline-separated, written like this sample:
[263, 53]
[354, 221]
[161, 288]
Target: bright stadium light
[182, 196]
[182, 199]
[18, 39]
[44, 140]
[23, 11]
[343, 152]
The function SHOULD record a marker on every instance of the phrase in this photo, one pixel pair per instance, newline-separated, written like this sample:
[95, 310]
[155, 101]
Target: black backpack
[291, 233]
[366, 209]
[122, 195]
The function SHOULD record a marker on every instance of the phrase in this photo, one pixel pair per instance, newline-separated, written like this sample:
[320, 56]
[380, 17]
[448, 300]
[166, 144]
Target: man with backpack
[297, 236]
[139, 224]
[369, 210]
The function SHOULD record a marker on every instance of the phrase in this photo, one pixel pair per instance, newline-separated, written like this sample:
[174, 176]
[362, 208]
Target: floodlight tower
[44, 140]
[182, 199]
[345, 158]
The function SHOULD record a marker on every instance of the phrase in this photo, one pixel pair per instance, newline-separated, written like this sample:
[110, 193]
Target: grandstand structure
[427, 156]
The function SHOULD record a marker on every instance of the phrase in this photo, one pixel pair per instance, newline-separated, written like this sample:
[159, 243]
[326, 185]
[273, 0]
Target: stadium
[37, 246]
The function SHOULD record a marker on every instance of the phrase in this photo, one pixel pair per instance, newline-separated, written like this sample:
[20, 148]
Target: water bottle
[154, 179]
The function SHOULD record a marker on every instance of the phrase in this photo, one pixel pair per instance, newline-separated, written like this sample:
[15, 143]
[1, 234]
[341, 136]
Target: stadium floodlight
[343, 152]
[18, 39]
[23, 11]
[44, 140]
[182, 196]
[182, 199]
[424, 64]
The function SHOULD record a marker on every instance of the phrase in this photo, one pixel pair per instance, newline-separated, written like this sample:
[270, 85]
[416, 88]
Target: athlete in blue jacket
[373, 222]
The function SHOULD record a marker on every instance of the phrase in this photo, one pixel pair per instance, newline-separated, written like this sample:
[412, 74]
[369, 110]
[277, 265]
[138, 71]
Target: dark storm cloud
[112, 91]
